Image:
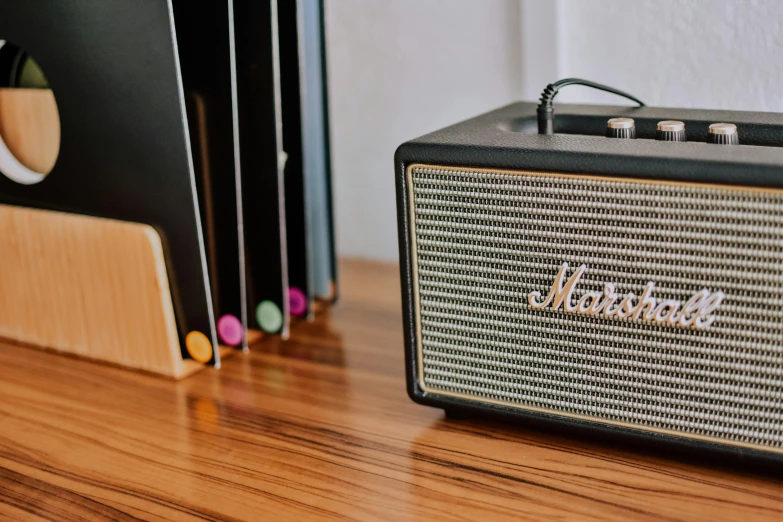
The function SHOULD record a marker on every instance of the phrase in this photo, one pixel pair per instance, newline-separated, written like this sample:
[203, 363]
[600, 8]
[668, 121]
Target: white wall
[399, 69]
[719, 54]
[402, 68]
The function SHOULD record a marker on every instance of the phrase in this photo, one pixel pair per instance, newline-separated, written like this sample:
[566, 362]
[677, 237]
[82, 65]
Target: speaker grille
[484, 240]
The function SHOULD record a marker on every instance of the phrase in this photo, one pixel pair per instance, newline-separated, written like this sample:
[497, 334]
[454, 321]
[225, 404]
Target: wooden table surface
[319, 427]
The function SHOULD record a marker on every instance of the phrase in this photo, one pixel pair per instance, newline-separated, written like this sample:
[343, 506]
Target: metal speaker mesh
[484, 240]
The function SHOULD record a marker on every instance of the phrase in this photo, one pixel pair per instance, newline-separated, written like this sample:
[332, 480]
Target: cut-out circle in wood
[29, 119]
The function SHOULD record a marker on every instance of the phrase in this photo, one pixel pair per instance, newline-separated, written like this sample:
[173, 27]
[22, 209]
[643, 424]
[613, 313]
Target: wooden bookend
[90, 287]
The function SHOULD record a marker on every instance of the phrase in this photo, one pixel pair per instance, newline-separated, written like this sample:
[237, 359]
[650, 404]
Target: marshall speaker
[621, 271]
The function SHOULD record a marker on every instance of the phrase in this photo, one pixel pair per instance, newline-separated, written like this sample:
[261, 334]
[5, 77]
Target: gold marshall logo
[696, 313]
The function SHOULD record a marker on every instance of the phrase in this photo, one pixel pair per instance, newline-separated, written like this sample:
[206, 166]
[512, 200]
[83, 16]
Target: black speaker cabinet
[625, 286]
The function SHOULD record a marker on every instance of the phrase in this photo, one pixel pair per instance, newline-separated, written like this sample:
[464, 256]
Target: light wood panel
[320, 428]
[91, 287]
[30, 127]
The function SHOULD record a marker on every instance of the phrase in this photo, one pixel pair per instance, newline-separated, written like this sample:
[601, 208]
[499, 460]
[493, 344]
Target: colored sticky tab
[269, 317]
[198, 346]
[230, 330]
[297, 302]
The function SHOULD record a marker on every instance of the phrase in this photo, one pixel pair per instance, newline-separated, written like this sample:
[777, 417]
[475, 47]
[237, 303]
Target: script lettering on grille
[695, 313]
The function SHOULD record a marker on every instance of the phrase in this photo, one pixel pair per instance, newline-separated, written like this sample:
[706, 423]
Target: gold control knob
[624, 128]
[670, 130]
[723, 134]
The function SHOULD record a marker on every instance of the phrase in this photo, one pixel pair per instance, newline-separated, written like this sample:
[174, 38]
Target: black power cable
[546, 111]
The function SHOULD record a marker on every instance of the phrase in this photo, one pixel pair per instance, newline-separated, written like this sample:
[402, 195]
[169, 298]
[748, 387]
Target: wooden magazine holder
[91, 287]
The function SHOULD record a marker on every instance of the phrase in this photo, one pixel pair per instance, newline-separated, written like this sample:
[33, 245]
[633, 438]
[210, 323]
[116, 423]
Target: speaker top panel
[507, 138]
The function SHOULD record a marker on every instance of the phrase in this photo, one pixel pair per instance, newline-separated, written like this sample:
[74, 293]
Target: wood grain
[30, 127]
[320, 428]
[91, 287]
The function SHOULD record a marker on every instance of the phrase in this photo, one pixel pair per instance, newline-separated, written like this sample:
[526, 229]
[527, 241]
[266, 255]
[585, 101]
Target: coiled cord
[546, 111]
